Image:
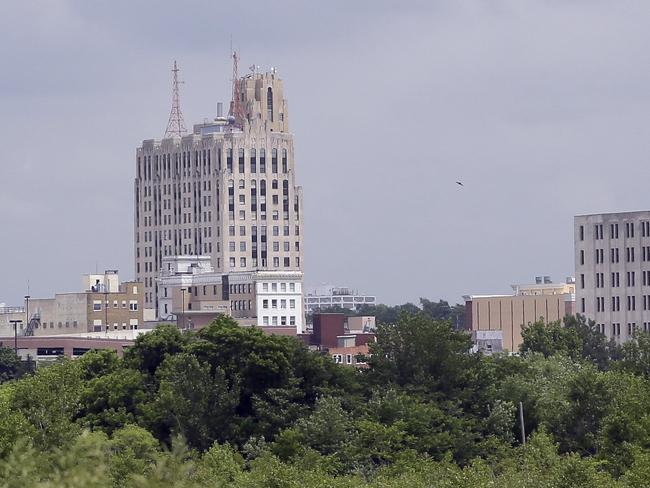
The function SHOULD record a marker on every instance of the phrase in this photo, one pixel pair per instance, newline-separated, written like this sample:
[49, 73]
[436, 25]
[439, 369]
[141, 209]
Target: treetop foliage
[386, 314]
[232, 406]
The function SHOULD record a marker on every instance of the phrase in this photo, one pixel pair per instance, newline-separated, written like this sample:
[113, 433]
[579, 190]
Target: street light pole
[183, 307]
[16, 322]
[27, 297]
[106, 307]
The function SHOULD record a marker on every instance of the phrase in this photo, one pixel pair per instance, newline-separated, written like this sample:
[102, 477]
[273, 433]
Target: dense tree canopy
[386, 314]
[231, 406]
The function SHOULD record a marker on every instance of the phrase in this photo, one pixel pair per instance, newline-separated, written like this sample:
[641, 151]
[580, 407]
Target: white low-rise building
[325, 297]
[192, 294]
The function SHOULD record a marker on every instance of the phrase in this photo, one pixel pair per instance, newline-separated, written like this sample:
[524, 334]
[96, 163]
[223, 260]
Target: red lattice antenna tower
[176, 125]
[236, 107]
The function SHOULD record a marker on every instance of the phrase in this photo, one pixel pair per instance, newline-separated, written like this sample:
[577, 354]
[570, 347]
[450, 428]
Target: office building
[227, 191]
[105, 305]
[494, 318]
[612, 260]
[192, 294]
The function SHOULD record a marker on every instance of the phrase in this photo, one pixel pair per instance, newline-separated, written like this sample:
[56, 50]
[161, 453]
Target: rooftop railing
[6, 310]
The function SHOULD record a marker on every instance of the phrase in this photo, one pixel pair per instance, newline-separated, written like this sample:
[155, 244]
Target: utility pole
[521, 422]
[15, 323]
[27, 297]
[183, 306]
[106, 307]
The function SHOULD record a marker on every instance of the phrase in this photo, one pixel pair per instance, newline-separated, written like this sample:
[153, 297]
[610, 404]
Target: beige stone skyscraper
[227, 190]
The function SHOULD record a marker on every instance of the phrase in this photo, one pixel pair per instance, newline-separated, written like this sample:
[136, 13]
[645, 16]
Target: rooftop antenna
[176, 125]
[236, 109]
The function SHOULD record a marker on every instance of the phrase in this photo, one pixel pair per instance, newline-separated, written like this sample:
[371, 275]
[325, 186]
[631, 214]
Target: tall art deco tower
[226, 190]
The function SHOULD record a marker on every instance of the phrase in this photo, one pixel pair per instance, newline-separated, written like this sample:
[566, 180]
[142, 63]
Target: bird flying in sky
[459, 183]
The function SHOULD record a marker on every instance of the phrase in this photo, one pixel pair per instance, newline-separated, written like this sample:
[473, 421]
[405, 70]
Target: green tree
[329, 430]
[576, 338]
[11, 367]
[133, 453]
[549, 339]
[626, 426]
[276, 376]
[441, 310]
[588, 402]
[112, 400]
[151, 349]
[49, 400]
[635, 354]
[95, 364]
[14, 426]
[193, 401]
[220, 466]
[423, 354]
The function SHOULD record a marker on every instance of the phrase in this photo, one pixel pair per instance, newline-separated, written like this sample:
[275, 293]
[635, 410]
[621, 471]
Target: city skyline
[557, 130]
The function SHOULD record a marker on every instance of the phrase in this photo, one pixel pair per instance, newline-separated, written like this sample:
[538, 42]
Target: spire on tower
[176, 125]
[236, 108]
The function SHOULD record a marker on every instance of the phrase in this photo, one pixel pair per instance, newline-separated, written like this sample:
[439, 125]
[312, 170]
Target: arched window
[285, 168]
[269, 104]
[262, 160]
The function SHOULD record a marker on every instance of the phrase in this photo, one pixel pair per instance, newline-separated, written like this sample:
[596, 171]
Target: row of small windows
[60, 325]
[613, 230]
[183, 164]
[614, 255]
[167, 219]
[282, 287]
[276, 262]
[262, 228]
[282, 320]
[616, 304]
[133, 305]
[281, 302]
[241, 288]
[163, 166]
[241, 305]
[166, 234]
[615, 328]
[615, 281]
[195, 290]
[241, 184]
[253, 161]
[157, 190]
[232, 247]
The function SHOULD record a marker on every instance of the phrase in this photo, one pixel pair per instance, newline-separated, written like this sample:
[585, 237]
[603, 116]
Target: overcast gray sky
[541, 108]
